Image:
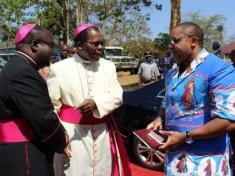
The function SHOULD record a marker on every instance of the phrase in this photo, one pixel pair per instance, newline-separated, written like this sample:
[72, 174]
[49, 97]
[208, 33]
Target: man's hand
[87, 106]
[231, 128]
[174, 139]
[68, 149]
[156, 124]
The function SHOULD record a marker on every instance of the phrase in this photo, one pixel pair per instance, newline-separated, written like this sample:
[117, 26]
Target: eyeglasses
[95, 43]
[175, 41]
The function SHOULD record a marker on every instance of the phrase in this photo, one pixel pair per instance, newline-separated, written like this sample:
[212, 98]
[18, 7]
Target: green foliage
[139, 46]
[162, 41]
[147, 2]
[212, 26]
[120, 20]
[220, 28]
[52, 16]
[158, 6]
[13, 13]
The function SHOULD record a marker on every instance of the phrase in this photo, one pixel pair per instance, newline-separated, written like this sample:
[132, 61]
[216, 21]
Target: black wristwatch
[188, 139]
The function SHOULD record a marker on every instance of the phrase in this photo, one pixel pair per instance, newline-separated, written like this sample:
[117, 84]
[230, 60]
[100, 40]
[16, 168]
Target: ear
[34, 46]
[194, 42]
[79, 45]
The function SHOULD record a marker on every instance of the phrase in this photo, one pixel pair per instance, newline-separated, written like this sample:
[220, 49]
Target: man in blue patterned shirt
[199, 106]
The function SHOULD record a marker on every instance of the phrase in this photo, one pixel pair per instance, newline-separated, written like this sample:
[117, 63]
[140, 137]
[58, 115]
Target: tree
[121, 21]
[56, 16]
[209, 26]
[139, 46]
[13, 13]
[220, 29]
[82, 11]
[162, 42]
[175, 13]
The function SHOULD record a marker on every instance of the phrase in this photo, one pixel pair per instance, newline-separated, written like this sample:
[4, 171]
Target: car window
[4, 59]
[161, 94]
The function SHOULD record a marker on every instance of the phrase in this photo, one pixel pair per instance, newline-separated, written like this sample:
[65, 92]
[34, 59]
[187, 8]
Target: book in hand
[150, 138]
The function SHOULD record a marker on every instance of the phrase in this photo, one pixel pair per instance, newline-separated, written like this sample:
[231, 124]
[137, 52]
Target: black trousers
[25, 159]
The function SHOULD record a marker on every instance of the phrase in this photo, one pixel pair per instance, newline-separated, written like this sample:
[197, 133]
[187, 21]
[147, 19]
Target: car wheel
[147, 157]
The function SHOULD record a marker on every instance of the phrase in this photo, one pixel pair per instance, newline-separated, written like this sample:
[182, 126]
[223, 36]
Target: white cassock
[70, 82]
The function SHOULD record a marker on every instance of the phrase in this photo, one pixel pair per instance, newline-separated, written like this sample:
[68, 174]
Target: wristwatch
[188, 139]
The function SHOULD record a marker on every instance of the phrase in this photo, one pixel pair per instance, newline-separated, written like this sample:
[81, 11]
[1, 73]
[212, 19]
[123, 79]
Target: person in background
[168, 60]
[148, 71]
[53, 59]
[30, 130]
[72, 51]
[232, 56]
[198, 107]
[156, 58]
[84, 90]
[159, 61]
[216, 49]
[64, 51]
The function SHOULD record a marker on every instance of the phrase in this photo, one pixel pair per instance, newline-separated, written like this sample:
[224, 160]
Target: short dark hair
[215, 45]
[193, 30]
[232, 54]
[82, 36]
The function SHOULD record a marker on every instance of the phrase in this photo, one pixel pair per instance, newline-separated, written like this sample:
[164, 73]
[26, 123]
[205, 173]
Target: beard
[180, 58]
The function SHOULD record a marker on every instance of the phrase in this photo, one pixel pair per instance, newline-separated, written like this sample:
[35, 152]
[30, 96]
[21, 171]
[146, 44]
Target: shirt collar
[202, 55]
[28, 59]
[198, 60]
[83, 61]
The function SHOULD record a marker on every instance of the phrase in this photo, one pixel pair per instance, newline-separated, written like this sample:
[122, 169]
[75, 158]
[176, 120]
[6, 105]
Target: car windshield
[2, 61]
[113, 52]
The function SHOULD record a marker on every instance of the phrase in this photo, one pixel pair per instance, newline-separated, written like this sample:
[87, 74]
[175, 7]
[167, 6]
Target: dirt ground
[125, 79]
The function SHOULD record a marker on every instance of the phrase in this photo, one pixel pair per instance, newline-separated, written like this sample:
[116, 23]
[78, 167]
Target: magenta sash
[115, 134]
[71, 115]
[17, 130]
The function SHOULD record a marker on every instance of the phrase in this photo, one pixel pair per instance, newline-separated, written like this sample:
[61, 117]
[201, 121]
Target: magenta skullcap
[23, 32]
[81, 28]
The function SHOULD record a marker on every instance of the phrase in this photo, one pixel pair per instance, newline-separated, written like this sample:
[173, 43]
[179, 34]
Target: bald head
[192, 30]
[38, 45]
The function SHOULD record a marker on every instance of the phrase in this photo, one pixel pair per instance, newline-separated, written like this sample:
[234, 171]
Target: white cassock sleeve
[112, 97]
[54, 90]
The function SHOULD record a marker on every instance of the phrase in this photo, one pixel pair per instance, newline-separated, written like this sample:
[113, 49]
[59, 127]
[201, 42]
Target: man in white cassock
[84, 91]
